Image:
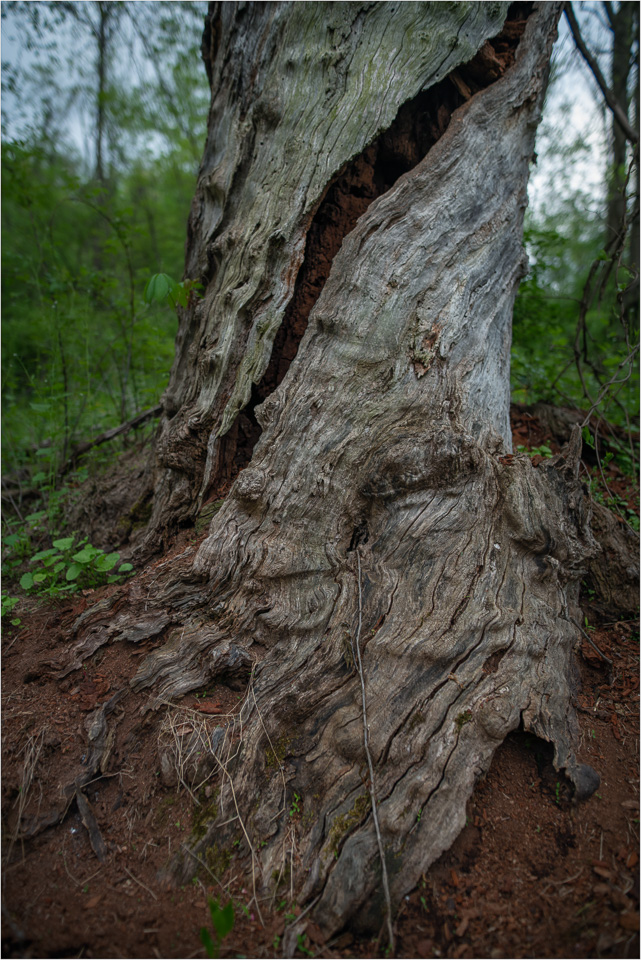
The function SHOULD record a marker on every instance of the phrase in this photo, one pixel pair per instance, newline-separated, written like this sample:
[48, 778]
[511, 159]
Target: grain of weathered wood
[389, 435]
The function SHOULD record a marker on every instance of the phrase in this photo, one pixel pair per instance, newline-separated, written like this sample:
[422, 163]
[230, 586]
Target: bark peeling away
[381, 491]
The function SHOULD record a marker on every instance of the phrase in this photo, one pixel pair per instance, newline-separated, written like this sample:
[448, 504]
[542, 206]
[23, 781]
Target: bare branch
[612, 102]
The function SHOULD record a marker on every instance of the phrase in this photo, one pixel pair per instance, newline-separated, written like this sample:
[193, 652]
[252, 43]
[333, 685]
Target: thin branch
[372, 788]
[139, 882]
[610, 99]
[132, 424]
[591, 642]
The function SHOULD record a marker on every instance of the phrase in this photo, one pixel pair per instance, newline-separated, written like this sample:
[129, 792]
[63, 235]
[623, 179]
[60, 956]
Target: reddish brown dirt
[531, 875]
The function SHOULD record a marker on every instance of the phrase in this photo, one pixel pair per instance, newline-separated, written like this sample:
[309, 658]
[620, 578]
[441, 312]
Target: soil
[532, 874]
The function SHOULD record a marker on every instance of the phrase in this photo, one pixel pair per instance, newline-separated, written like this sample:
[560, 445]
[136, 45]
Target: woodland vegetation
[109, 465]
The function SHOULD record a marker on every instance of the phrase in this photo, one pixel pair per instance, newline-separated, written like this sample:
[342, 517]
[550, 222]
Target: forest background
[103, 125]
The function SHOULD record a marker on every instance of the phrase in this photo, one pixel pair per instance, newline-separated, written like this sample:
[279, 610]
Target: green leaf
[159, 287]
[587, 437]
[26, 581]
[49, 560]
[208, 943]
[124, 567]
[87, 554]
[42, 554]
[39, 577]
[65, 544]
[107, 562]
[73, 571]
[222, 920]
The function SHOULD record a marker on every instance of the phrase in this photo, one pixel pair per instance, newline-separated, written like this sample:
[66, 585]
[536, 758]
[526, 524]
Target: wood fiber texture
[385, 446]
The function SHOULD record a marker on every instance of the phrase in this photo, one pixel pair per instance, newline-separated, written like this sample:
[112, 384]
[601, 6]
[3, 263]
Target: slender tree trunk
[104, 13]
[622, 22]
[358, 224]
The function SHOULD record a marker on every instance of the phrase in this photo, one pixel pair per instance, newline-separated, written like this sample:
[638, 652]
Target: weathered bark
[298, 92]
[382, 514]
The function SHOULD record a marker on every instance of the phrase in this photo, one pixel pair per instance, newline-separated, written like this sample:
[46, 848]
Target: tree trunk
[622, 22]
[358, 222]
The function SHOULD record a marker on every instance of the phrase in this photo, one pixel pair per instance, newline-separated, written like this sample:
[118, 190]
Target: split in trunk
[383, 549]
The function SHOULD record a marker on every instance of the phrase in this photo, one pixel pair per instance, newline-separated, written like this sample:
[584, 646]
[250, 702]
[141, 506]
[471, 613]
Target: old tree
[391, 588]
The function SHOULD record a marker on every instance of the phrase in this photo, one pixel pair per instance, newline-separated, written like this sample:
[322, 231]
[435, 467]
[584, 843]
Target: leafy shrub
[68, 566]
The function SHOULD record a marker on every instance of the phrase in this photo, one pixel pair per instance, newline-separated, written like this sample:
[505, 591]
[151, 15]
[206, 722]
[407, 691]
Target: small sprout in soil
[222, 922]
[424, 904]
[276, 943]
[420, 813]
[295, 807]
[557, 792]
[301, 945]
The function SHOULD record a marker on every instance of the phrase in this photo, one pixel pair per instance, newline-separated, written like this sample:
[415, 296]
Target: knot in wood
[250, 484]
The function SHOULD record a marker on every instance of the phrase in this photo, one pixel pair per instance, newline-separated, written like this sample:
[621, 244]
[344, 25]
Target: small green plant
[68, 566]
[161, 288]
[557, 792]
[276, 943]
[295, 808]
[424, 904]
[420, 814]
[300, 942]
[542, 451]
[222, 922]
[8, 603]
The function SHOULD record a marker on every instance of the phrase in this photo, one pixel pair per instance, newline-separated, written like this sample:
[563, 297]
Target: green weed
[69, 566]
[222, 922]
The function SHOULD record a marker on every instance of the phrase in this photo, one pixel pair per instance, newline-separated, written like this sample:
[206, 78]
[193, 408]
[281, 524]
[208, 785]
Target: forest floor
[531, 874]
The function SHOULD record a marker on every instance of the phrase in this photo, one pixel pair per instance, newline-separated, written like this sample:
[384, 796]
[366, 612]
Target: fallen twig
[139, 882]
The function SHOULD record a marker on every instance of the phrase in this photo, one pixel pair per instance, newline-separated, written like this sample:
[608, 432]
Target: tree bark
[383, 551]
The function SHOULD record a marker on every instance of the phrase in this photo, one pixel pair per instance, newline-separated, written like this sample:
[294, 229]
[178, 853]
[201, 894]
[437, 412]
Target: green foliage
[8, 603]
[222, 921]
[82, 348]
[562, 247]
[542, 451]
[68, 566]
[161, 288]
[295, 808]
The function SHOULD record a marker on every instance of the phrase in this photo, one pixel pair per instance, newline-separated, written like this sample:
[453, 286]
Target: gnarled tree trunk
[358, 222]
